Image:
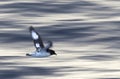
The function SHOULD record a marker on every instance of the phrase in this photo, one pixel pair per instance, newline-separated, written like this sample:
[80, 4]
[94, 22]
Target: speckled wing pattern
[38, 43]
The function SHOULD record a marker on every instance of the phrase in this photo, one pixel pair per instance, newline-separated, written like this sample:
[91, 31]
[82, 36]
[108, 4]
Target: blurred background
[85, 34]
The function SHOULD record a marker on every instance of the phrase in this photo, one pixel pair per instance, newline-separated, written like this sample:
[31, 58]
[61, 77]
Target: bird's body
[41, 53]
[41, 50]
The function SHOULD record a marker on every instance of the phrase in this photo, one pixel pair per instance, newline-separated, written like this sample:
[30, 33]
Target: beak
[55, 54]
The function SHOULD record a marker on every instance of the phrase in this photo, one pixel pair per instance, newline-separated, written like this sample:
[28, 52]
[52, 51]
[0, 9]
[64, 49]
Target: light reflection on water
[85, 35]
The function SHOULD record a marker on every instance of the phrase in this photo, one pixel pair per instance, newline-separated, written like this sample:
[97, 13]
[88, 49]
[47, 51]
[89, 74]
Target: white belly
[40, 54]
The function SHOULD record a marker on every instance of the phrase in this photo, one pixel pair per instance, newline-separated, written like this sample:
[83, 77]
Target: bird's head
[52, 52]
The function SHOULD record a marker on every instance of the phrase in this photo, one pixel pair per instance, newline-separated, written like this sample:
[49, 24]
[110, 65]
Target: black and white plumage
[41, 50]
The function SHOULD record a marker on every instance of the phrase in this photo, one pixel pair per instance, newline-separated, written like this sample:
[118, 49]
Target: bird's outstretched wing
[38, 43]
[49, 45]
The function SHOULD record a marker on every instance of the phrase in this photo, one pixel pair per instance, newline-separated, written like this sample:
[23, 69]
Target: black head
[28, 54]
[52, 52]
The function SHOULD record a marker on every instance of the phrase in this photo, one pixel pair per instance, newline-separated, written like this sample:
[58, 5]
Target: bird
[41, 50]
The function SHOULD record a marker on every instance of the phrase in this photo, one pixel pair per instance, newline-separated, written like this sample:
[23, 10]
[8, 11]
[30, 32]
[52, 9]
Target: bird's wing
[38, 43]
[49, 45]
